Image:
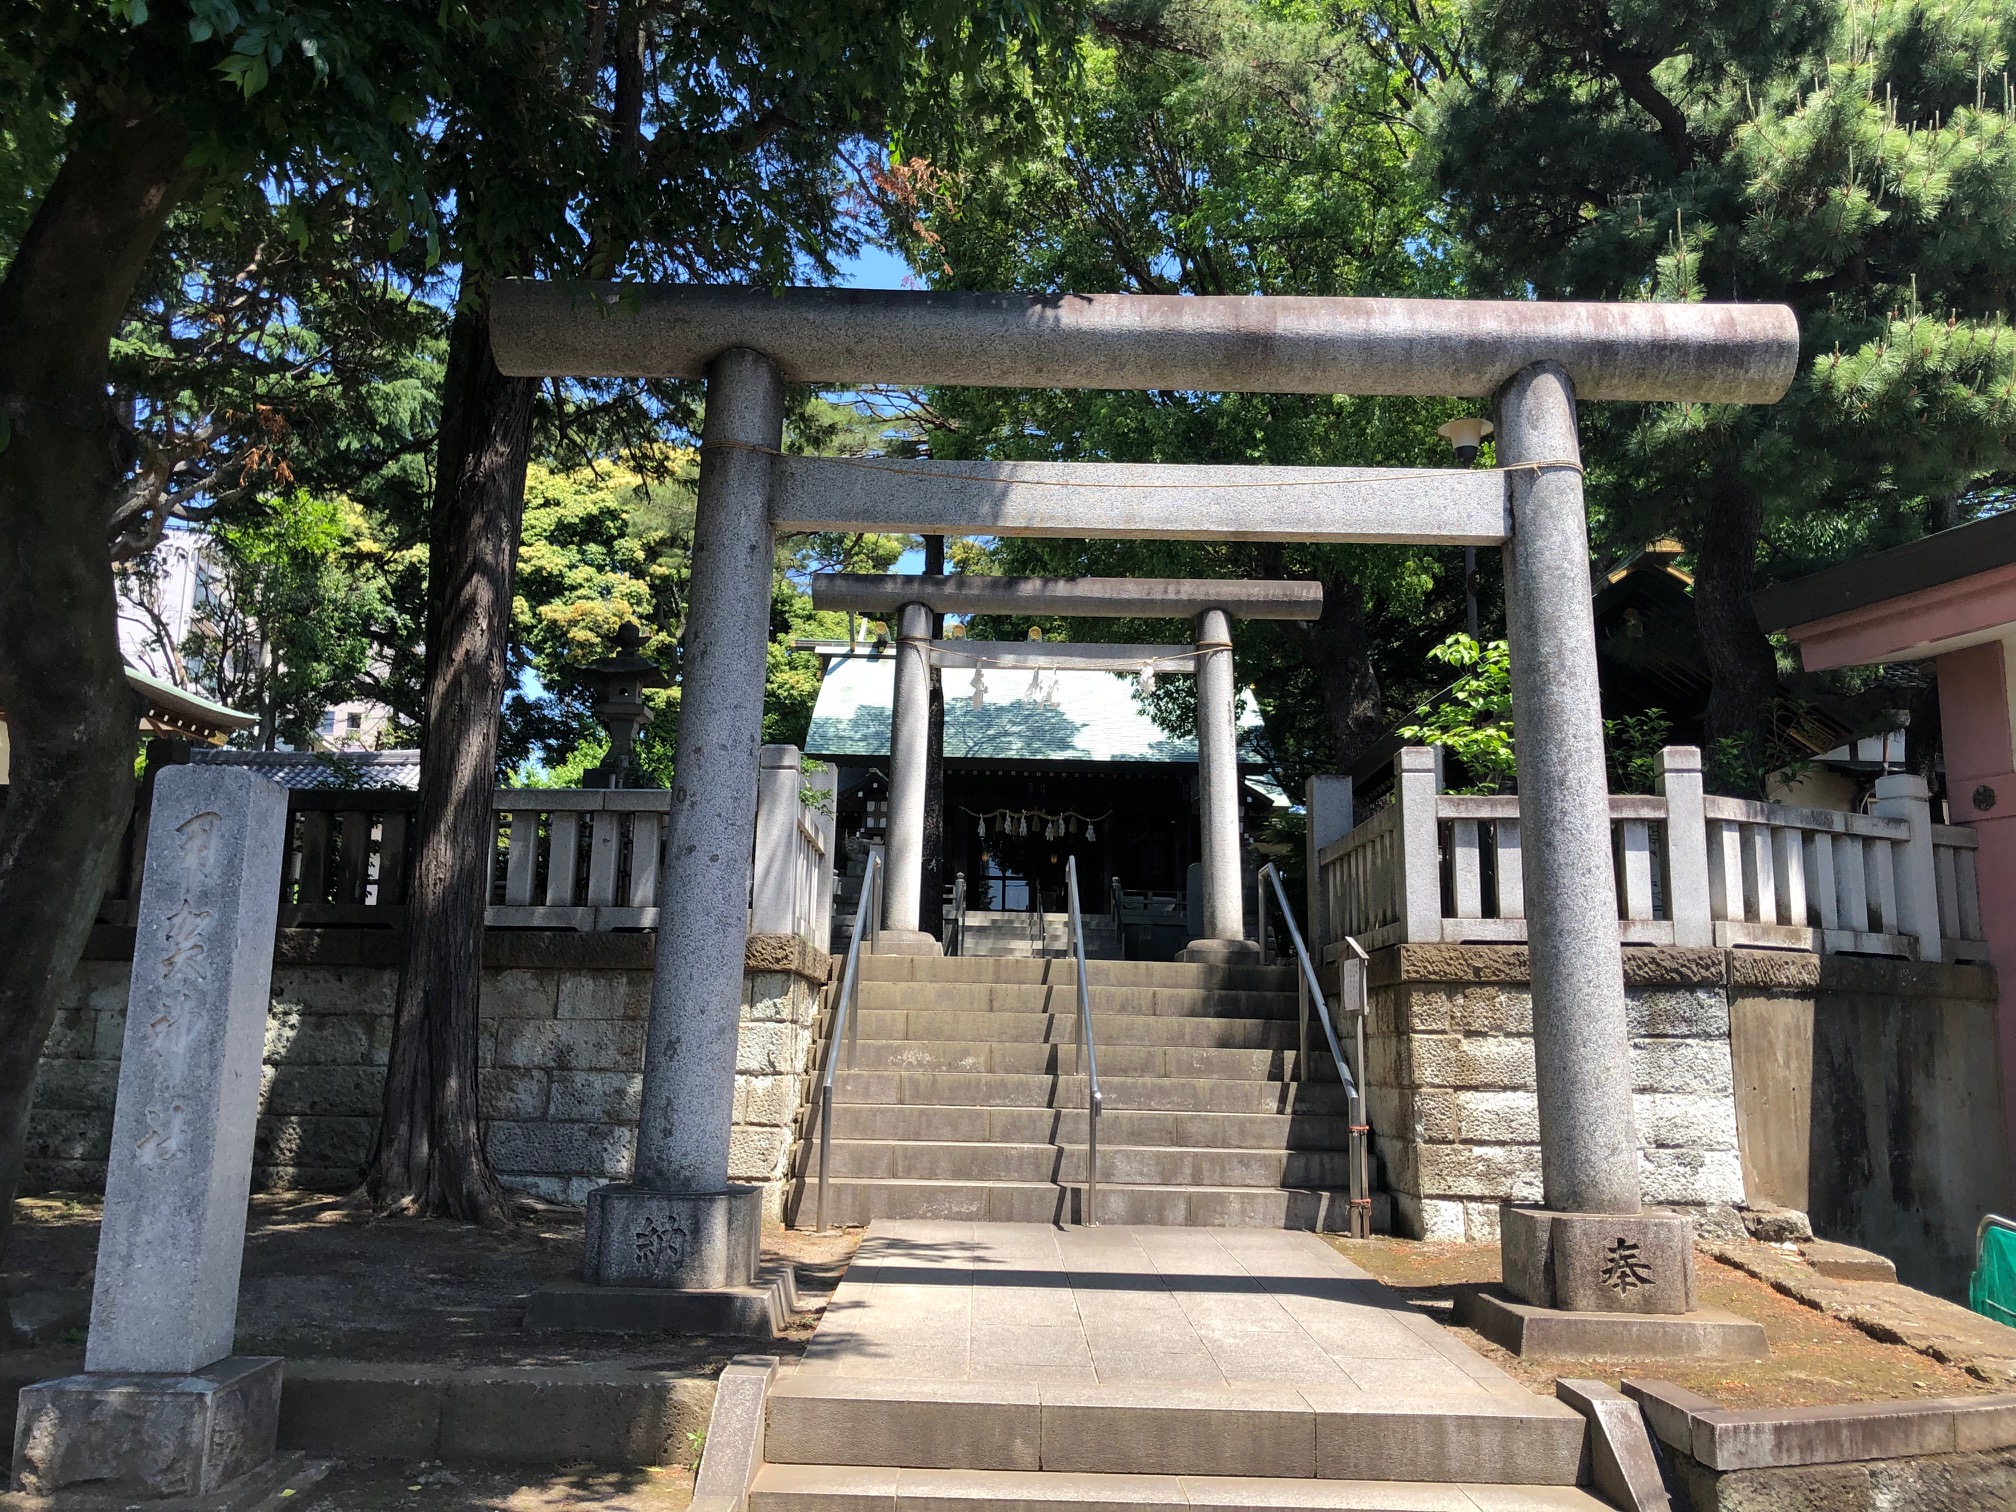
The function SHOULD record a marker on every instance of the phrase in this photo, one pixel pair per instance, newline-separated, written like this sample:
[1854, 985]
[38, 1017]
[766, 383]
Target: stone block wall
[1450, 1088]
[560, 1053]
[1852, 1088]
[1867, 1093]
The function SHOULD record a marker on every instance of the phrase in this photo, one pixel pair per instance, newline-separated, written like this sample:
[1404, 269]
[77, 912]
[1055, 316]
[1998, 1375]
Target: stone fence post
[1327, 805]
[164, 1408]
[1903, 795]
[1678, 771]
[825, 784]
[1416, 779]
[773, 902]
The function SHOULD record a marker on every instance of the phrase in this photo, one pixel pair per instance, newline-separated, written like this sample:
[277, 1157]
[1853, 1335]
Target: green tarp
[1992, 1292]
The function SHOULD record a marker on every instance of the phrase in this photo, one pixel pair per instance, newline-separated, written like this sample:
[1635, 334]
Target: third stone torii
[1210, 604]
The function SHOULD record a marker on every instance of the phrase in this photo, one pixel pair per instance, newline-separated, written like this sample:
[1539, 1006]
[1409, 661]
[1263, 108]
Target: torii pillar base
[1593, 1286]
[1220, 953]
[907, 942]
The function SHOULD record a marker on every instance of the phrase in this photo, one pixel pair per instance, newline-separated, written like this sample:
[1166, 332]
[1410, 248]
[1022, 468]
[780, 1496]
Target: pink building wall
[1978, 725]
[1968, 629]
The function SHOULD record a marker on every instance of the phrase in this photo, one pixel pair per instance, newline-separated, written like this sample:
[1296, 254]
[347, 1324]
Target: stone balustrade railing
[1691, 869]
[583, 859]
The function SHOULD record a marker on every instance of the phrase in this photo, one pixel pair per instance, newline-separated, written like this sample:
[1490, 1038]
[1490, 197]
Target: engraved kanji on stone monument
[660, 1244]
[1624, 1269]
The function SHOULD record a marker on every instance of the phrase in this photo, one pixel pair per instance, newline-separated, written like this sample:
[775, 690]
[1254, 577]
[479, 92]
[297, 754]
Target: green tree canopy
[1225, 147]
[1856, 162]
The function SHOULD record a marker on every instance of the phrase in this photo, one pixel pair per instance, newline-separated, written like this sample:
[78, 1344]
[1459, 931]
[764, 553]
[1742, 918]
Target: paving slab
[846, 1488]
[1150, 1350]
[985, 1300]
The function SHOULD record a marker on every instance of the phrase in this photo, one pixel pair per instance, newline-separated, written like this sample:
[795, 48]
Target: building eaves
[1943, 557]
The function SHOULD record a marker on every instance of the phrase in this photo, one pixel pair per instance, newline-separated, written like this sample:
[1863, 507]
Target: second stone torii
[1210, 604]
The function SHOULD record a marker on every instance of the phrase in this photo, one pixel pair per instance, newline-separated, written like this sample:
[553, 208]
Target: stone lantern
[619, 682]
[1465, 438]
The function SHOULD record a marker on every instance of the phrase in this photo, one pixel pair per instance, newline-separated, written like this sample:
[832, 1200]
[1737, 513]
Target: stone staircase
[1002, 1368]
[991, 933]
[965, 1102]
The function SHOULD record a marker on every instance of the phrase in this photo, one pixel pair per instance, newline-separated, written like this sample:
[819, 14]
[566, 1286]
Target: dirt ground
[1814, 1358]
[383, 1486]
[324, 1279]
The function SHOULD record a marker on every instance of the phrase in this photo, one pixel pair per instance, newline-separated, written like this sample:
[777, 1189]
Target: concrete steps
[1199, 1029]
[991, 933]
[1109, 1000]
[985, 1089]
[964, 1099]
[1119, 1127]
[1020, 1058]
[852, 1488]
[982, 1367]
[1195, 976]
[860, 1200]
[1126, 1164]
[1502, 1435]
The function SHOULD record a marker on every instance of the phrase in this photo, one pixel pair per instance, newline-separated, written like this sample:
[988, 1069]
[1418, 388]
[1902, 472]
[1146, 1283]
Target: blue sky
[874, 268]
[879, 268]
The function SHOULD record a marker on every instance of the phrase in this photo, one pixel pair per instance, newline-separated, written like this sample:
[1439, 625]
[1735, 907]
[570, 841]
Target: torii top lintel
[1708, 353]
[1084, 598]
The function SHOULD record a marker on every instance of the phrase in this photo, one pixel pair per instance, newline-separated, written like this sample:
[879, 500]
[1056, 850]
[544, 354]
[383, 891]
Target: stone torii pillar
[1224, 938]
[678, 1223]
[1593, 1249]
[909, 752]
[1589, 1132]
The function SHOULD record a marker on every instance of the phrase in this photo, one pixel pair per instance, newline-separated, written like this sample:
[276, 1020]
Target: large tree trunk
[1340, 656]
[1743, 672]
[70, 715]
[429, 1158]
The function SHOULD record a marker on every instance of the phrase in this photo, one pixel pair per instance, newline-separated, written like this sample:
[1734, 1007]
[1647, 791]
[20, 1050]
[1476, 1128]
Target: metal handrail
[1088, 1053]
[1309, 987]
[846, 997]
[957, 944]
[1114, 894]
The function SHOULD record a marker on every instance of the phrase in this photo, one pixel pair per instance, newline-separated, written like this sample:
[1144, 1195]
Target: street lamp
[1464, 437]
[618, 683]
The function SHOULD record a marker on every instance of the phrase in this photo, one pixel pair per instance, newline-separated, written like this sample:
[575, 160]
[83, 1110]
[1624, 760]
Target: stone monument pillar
[679, 1224]
[909, 759]
[1592, 1249]
[164, 1408]
[1224, 938]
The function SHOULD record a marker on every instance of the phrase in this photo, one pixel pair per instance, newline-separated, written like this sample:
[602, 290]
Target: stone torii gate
[1533, 360]
[1210, 604]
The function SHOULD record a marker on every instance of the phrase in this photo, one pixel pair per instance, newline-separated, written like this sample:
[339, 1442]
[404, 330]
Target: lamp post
[1464, 437]
[619, 682]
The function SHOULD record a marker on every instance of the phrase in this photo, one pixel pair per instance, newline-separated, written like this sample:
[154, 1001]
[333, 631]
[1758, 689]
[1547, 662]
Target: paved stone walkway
[1199, 1308]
